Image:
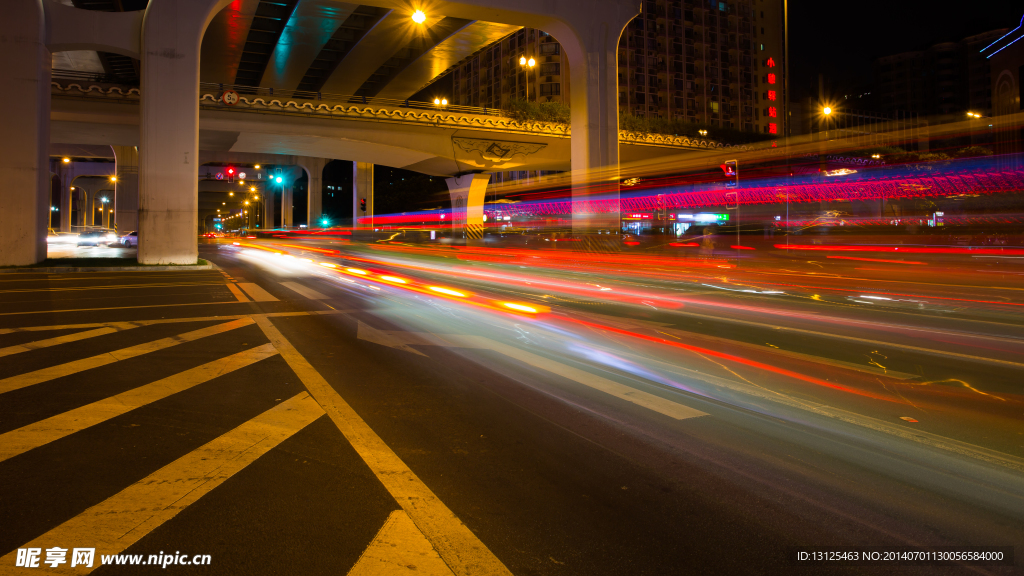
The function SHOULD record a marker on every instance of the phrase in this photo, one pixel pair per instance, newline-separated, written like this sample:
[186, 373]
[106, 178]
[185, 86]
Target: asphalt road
[289, 417]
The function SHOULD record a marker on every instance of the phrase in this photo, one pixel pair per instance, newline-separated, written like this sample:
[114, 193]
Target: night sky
[841, 39]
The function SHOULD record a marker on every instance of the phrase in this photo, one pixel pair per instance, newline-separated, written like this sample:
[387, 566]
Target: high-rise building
[947, 79]
[719, 63]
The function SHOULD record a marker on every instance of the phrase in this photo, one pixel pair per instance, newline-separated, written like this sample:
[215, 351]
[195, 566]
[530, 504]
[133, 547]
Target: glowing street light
[419, 17]
[826, 110]
[66, 160]
[257, 166]
[702, 132]
[113, 178]
[279, 180]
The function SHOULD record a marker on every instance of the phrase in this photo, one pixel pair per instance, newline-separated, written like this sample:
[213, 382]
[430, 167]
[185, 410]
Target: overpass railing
[345, 98]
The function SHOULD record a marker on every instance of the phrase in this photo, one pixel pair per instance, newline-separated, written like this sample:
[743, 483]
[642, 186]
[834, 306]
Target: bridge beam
[362, 189]
[468, 193]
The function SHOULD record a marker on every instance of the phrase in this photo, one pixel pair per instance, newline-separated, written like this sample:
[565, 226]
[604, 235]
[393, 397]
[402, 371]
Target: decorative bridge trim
[369, 111]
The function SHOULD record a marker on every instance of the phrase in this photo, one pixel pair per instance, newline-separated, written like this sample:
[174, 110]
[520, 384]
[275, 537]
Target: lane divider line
[461, 550]
[56, 427]
[126, 517]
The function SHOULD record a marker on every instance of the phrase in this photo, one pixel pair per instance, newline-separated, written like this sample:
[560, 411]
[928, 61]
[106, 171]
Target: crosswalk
[421, 531]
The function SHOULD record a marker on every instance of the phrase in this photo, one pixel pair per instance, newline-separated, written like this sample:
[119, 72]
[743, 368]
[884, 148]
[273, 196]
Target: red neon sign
[772, 111]
[771, 78]
[773, 128]
[771, 95]
[771, 63]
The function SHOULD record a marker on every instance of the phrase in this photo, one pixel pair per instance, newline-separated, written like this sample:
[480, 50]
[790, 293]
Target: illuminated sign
[773, 128]
[637, 216]
[772, 112]
[770, 63]
[704, 217]
[771, 78]
[771, 95]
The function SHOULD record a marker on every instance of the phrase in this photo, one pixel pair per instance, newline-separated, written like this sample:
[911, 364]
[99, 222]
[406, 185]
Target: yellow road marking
[115, 287]
[126, 517]
[464, 553]
[397, 546]
[54, 428]
[52, 372]
[118, 308]
[238, 293]
[64, 339]
[256, 293]
[167, 321]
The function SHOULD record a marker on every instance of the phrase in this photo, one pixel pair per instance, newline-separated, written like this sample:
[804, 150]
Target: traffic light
[362, 204]
[732, 173]
[231, 174]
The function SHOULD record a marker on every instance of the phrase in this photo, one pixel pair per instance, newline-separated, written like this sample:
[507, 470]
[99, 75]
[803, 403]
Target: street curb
[59, 270]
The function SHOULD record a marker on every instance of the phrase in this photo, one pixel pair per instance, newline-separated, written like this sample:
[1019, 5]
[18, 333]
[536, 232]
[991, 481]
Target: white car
[130, 240]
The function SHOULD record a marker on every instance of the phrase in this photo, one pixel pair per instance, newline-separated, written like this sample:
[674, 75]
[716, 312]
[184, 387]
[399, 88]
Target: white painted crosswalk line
[45, 431]
[123, 519]
[236, 292]
[52, 372]
[307, 292]
[256, 293]
[64, 339]
[399, 548]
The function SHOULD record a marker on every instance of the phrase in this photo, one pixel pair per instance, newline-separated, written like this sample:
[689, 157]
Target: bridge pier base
[468, 192]
[362, 189]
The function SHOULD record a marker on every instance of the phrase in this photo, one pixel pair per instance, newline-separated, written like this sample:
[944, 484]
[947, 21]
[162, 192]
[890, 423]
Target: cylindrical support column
[126, 191]
[362, 194]
[25, 124]
[314, 191]
[591, 46]
[169, 128]
[468, 192]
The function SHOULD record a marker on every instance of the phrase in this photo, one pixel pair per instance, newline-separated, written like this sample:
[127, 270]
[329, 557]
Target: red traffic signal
[362, 204]
[231, 170]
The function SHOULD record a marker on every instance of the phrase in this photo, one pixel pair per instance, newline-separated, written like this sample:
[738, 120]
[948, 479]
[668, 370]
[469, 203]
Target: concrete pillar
[126, 191]
[66, 198]
[172, 32]
[591, 47]
[25, 124]
[468, 192]
[314, 191]
[288, 174]
[362, 189]
[268, 206]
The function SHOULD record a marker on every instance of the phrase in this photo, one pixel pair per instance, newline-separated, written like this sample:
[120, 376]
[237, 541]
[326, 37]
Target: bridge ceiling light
[66, 160]
[419, 17]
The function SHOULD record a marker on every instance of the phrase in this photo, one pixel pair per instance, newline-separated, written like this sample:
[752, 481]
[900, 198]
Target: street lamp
[702, 132]
[66, 160]
[529, 64]
[419, 17]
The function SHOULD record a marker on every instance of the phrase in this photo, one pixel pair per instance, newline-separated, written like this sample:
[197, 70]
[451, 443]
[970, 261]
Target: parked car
[96, 238]
[130, 240]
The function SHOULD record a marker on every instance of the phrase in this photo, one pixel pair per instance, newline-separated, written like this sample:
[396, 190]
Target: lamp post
[529, 68]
